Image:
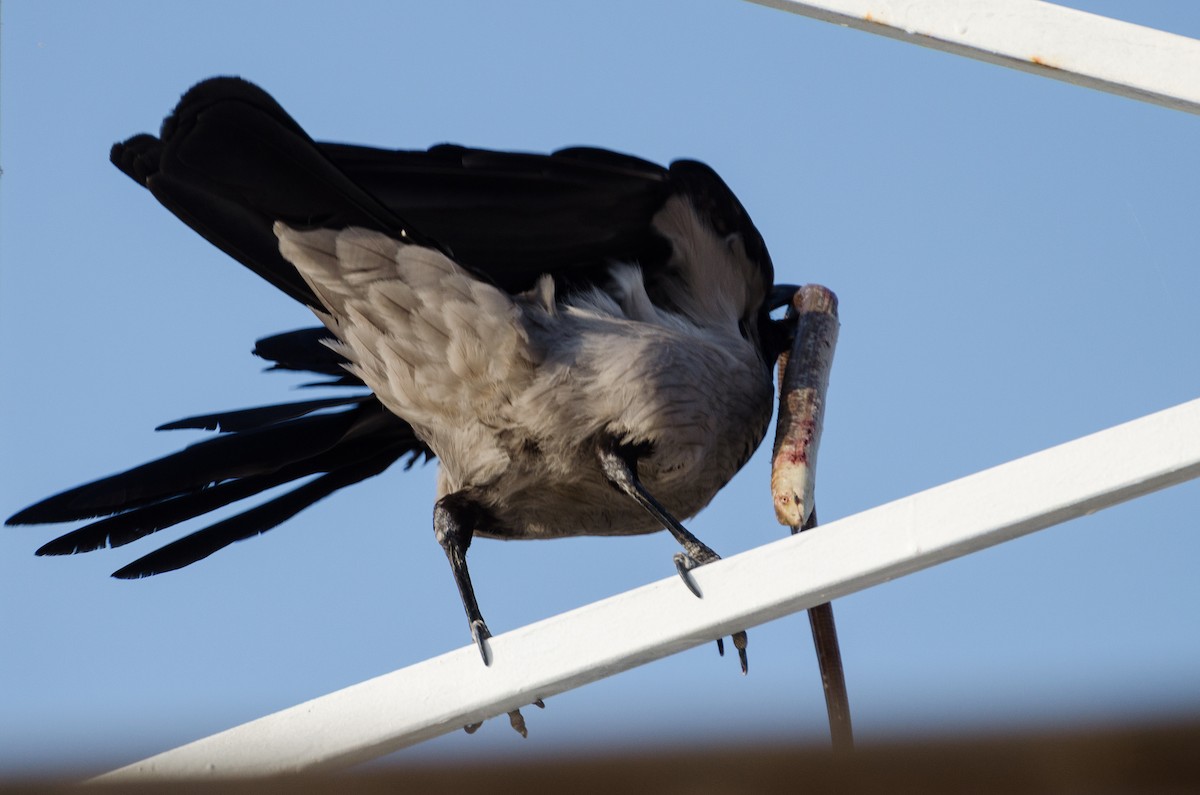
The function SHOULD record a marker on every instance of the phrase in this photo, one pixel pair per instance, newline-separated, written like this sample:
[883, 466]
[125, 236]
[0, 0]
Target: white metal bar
[1033, 36]
[442, 694]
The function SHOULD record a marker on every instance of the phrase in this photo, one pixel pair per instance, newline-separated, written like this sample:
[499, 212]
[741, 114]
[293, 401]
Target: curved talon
[684, 563]
[480, 633]
[739, 642]
[721, 646]
[517, 720]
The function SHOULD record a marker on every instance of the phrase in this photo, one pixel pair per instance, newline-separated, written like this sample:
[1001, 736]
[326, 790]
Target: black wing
[230, 162]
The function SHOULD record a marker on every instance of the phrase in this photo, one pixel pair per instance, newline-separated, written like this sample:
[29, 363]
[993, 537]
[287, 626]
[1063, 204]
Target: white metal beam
[1033, 36]
[447, 692]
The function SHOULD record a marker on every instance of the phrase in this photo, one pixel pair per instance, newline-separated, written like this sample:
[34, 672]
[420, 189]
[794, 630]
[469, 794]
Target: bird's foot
[481, 634]
[515, 719]
[684, 563]
[739, 642]
[740, 639]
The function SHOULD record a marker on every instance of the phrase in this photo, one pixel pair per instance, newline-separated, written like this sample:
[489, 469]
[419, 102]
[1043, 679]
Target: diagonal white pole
[1033, 36]
[613, 635]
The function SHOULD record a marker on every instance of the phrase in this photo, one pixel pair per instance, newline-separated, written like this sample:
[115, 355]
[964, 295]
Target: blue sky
[1016, 263]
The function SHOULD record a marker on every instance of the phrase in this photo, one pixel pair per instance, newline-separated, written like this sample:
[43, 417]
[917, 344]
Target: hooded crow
[582, 339]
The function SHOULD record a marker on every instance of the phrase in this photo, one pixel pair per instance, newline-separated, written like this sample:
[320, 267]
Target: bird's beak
[781, 295]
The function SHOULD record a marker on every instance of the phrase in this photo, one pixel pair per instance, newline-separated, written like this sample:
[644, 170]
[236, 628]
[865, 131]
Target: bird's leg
[619, 463]
[455, 518]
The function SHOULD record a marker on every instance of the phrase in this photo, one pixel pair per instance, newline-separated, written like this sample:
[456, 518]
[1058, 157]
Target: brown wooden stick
[803, 382]
[829, 660]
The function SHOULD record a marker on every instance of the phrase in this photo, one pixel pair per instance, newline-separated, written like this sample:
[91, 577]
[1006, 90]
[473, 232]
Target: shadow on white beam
[447, 692]
[1033, 36]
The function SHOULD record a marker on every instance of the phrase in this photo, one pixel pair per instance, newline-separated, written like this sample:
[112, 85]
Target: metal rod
[829, 661]
[445, 693]
[1033, 36]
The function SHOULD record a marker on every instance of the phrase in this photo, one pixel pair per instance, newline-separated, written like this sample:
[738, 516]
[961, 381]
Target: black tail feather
[255, 521]
[198, 466]
[368, 440]
[137, 523]
[127, 527]
[258, 417]
[302, 349]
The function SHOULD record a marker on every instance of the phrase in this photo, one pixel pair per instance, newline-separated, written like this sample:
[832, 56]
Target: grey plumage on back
[514, 393]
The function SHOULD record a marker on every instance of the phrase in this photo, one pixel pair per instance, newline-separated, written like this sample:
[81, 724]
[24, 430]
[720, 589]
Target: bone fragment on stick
[804, 380]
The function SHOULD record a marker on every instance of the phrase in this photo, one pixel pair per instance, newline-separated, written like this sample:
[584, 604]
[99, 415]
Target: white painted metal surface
[604, 638]
[1034, 36]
